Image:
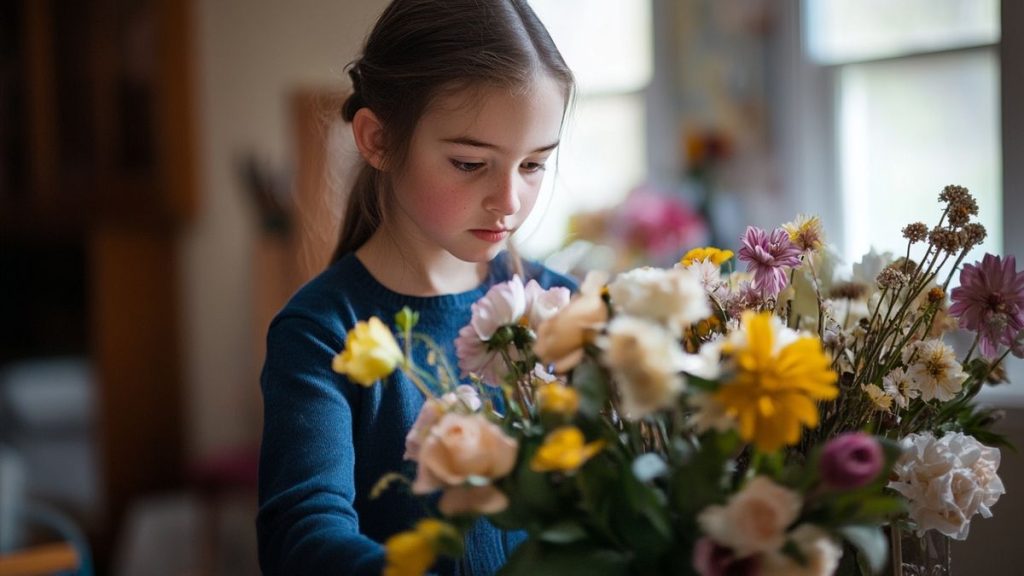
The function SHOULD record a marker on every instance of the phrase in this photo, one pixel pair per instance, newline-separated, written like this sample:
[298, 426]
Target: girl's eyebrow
[467, 141]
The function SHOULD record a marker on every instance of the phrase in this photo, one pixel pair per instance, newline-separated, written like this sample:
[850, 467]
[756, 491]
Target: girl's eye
[533, 166]
[467, 166]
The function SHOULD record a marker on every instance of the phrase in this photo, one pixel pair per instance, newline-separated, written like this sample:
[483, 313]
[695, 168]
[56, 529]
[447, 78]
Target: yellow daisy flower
[775, 392]
[716, 255]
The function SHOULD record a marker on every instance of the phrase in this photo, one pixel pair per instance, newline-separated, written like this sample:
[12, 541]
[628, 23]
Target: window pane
[607, 43]
[840, 31]
[602, 156]
[908, 128]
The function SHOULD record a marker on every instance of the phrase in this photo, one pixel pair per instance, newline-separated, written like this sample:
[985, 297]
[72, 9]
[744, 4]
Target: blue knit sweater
[327, 441]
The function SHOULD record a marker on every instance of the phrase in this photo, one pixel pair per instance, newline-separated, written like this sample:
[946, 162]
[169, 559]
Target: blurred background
[172, 170]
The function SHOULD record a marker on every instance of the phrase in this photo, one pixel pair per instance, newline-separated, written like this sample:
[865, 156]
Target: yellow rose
[557, 398]
[409, 554]
[412, 553]
[563, 450]
[370, 353]
[560, 339]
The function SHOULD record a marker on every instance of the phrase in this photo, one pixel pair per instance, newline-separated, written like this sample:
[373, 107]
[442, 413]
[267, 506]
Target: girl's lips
[491, 235]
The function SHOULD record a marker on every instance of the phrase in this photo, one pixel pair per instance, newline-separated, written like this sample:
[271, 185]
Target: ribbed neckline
[356, 272]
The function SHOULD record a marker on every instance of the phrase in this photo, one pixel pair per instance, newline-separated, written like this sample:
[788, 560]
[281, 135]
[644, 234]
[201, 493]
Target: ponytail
[363, 212]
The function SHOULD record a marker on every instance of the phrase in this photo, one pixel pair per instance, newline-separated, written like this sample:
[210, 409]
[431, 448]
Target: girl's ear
[369, 136]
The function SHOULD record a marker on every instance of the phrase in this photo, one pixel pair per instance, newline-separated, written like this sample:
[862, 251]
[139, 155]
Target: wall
[251, 55]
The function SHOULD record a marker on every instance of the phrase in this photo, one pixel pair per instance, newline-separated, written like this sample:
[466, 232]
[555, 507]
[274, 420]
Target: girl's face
[474, 169]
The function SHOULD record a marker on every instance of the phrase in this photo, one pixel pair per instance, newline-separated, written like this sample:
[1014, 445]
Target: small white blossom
[901, 387]
[935, 371]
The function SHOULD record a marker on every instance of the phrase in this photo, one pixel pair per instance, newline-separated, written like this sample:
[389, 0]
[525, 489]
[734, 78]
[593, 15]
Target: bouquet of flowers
[703, 420]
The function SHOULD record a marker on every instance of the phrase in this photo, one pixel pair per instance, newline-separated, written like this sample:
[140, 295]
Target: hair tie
[356, 74]
[355, 100]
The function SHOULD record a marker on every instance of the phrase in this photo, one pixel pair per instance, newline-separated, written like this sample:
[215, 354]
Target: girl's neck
[416, 271]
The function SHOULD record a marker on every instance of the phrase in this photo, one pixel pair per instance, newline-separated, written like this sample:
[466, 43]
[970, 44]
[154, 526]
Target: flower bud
[851, 460]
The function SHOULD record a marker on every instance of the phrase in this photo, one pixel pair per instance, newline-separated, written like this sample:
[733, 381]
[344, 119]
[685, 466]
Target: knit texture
[327, 441]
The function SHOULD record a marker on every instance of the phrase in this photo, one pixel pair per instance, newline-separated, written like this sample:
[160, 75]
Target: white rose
[674, 298]
[947, 481]
[754, 520]
[646, 361]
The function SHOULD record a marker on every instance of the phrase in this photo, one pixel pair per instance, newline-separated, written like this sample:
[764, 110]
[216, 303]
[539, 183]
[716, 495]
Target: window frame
[803, 100]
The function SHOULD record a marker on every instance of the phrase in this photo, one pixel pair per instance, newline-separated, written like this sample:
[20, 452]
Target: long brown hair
[419, 50]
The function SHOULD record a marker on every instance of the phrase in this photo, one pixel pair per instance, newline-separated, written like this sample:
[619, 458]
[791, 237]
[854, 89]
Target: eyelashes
[467, 166]
[529, 167]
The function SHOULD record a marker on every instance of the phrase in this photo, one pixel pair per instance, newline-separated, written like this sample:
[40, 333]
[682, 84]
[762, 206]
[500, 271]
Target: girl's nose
[504, 197]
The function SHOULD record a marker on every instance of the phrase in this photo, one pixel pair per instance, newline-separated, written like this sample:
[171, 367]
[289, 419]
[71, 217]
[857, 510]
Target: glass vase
[913, 555]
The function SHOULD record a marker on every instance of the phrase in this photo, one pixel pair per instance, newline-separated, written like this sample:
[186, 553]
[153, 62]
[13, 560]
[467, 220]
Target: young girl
[456, 107]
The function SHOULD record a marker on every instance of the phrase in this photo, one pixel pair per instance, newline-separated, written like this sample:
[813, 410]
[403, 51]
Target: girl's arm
[307, 523]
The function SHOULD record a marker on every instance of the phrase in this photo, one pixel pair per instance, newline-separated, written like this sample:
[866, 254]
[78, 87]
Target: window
[887, 101]
[916, 108]
[603, 153]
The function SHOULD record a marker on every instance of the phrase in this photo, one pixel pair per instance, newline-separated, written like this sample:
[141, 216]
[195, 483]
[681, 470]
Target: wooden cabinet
[97, 180]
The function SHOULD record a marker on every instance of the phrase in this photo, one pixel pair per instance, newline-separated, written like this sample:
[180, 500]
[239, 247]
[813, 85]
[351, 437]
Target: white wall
[250, 55]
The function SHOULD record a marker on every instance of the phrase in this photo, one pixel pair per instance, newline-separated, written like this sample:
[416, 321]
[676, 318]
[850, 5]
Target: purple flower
[850, 461]
[712, 559]
[768, 256]
[990, 302]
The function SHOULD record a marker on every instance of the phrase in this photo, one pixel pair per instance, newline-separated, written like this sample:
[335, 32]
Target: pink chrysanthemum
[990, 301]
[768, 257]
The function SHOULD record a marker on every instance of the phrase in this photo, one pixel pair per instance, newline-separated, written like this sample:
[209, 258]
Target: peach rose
[560, 338]
[460, 446]
[754, 520]
[458, 500]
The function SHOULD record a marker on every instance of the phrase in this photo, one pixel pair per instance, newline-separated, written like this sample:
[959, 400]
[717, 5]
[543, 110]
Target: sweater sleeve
[307, 523]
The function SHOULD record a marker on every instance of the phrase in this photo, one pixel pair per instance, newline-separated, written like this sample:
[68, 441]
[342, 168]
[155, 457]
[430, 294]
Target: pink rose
[542, 304]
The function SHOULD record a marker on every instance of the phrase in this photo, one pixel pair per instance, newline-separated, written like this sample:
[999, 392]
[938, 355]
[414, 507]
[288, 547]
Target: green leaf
[535, 558]
[870, 541]
[647, 502]
[565, 532]
[590, 381]
[406, 319]
[879, 508]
